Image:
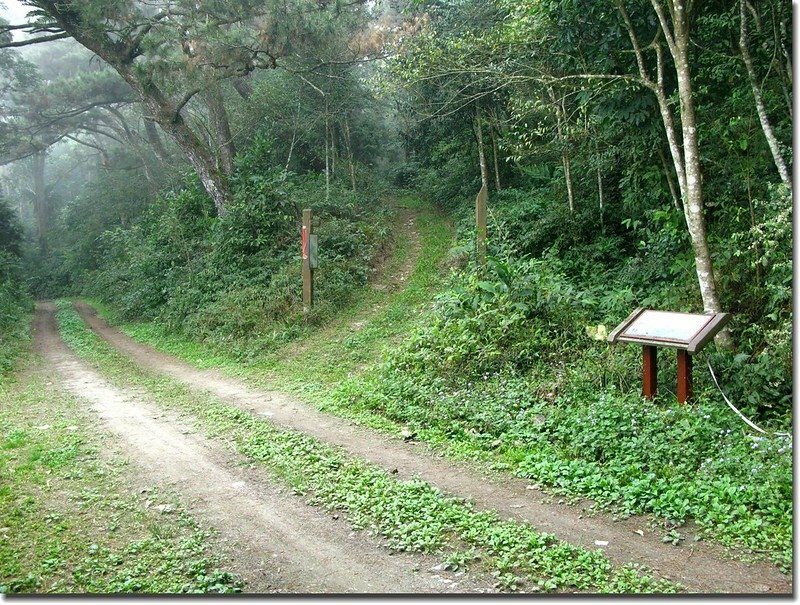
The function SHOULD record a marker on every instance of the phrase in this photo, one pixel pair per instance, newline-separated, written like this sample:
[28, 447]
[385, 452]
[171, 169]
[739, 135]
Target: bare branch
[31, 41]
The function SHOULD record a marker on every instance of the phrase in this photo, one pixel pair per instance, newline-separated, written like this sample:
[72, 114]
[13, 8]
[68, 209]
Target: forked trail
[276, 542]
[700, 567]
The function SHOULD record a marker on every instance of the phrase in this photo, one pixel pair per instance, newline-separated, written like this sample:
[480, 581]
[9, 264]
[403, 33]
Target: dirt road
[700, 567]
[277, 543]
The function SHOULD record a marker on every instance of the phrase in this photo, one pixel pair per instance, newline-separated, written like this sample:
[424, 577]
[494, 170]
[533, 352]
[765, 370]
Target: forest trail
[277, 543]
[388, 277]
[701, 567]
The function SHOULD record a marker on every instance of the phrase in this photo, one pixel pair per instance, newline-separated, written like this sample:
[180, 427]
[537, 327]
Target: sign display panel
[686, 332]
[313, 255]
[681, 327]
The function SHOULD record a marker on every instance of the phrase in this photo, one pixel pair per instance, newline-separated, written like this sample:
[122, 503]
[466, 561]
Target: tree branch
[31, 41]
[186, 98]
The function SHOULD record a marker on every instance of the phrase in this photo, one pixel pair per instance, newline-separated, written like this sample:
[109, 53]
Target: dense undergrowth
[229, 281]
[232, 281]
[15, 304]
[512, 366]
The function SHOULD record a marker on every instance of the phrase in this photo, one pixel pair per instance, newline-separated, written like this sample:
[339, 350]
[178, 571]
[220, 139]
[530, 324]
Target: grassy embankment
[556, 425]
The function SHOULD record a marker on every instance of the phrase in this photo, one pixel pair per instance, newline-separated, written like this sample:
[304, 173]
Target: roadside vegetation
[71, 520]
[411, 515]
[15, 303]
[485, 377]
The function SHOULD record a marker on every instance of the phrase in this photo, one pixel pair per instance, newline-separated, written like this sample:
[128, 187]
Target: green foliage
[558, 427]
[760, 277]
[503, 369]
[234, 281]
[511, 314]
[15, 306]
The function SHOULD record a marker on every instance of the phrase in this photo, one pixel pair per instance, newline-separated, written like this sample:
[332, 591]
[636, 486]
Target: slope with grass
[331, 369]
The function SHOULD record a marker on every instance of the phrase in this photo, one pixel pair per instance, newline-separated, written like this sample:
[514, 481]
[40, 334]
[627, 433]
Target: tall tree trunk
[155, 140]
[600, 197]
[222, 129]
[294, 138]
[327, 155]
[120, 52]
[169, 117]
[243, 87]
[685, 157]
[565, 162]
[693, 207]
[334, 150]
[787, 73]
[559, 109]
[493, 133]
[766, 126]
[350, 153]
[40, 205]
[481, 154]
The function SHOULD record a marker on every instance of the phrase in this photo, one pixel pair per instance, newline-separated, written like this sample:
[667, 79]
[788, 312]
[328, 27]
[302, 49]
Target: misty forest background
[156, 157]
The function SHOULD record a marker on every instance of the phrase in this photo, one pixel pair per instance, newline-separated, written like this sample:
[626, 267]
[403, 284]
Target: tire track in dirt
[701, 567]
[277, 543]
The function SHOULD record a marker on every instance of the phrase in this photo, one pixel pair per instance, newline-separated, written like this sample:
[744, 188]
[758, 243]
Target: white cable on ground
[730, 405]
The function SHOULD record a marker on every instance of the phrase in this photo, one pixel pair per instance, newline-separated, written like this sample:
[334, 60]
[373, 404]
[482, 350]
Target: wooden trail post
[480, 222]
[685, 332]
[308, 272]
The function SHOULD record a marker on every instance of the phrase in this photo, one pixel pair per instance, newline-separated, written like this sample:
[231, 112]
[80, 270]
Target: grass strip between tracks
[409, 515]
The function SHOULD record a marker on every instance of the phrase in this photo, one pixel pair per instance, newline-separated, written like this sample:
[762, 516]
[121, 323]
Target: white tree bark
[693, 207]
[766, 126]
[674, 27]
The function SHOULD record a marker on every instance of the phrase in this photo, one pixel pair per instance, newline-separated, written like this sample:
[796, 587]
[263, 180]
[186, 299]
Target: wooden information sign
[686, 332]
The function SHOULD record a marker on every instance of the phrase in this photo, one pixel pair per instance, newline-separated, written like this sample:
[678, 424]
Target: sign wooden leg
[684, 376]
[649, 371]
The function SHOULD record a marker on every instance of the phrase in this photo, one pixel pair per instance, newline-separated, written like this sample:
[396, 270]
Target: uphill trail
[701, 567]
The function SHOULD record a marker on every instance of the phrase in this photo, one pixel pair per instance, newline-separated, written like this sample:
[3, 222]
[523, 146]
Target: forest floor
[168, 417]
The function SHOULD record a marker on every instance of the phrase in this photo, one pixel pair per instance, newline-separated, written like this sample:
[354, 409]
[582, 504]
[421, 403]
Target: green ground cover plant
[70, 520]
[501, 369]
[410, 515]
